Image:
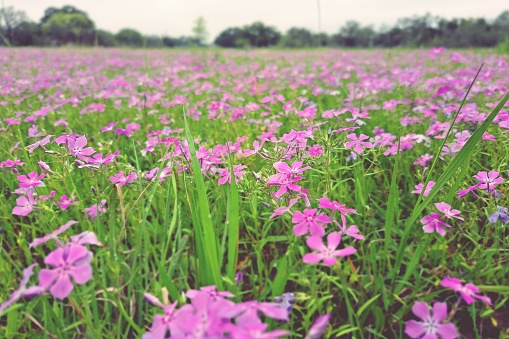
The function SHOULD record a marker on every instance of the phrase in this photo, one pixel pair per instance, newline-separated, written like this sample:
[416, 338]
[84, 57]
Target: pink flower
[351, 231]
[283, 167]
[433, 222]
[431, 327]
[318, 327]
[238, 172]
[65, 202]
[45, 167]
[31, 181]
[95, 209]
[76, 146]
[357, 143]
[334, 205]
[309, 221]
[69, 261]
[39, 143]
[120, 179]
[467, 292]
[53, 235]
[423, 160]
[419, 187]
[27, 273]
[446, 210]
[488, 180]
[25, 205]
[285, 182]
[328, 253]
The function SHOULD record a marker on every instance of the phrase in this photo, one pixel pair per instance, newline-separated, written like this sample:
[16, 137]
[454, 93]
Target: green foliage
[129, 37]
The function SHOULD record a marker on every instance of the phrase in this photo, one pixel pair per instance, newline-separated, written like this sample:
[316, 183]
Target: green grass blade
[206, 238]
[233, 227]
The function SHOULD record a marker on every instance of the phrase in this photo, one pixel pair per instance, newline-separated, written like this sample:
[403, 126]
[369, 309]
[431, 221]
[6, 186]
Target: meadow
[254, 194]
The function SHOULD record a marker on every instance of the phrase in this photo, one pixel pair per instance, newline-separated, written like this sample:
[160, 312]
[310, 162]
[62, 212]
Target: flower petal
[421, 310]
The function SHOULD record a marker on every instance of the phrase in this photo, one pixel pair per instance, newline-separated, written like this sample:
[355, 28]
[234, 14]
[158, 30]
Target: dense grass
[184, 230]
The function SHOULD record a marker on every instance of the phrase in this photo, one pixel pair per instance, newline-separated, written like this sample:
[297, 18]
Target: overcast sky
[176, 17]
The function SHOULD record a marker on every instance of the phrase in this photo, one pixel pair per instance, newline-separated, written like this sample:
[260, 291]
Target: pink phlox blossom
[315, 151]
[335, 206]
[257, 146]
[350, 231]
[447, 211]
[464, 192]
[423, 160]
[109, 127]
[238, 172]
[419, 187]
[284, 209]
[285, 183]
[77, 146]
[22, 289]
[121, 179]
[296, 168]
[98, 159]
[95, 210]
[25, 204]
[11, 163]
[32, 180]
[69, 261]
[488, 180]
[469, 292]
[66, 201]
[309, 221]
[53, 235]
[357, 143]
[45, 167]
[434, 222]
[431, 326]
[318, 327]
[324, 253]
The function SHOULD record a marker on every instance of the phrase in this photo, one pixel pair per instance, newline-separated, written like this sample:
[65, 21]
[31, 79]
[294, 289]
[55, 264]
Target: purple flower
[238, 172]
[65, 202]
[357, 143]
[69, 261]
[335, 206]
[467, 292]
[433, 222]
[286, 300]
[326, 253]
[419, 187]
[285, 181]
[283, 167]
[501, 214]
[431, 326]
[95, 209]
[53, 235]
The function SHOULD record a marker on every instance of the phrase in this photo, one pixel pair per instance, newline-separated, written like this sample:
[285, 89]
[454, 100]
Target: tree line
[69, 25]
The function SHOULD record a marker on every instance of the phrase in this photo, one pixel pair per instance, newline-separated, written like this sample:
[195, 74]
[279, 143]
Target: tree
[298, 38]
[129, 37]
[259, 35]
[104, 38]
[10, 21]
[200, 33]
[67, 25]
[230, 37]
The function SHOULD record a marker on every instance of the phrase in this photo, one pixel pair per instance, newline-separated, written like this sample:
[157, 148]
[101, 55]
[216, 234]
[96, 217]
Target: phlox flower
[488, 180]
[447, 211]
[434, 222]
[95, 209]
[77, 146]
[315, 150]
[69, 261]
[335, 206]
[309, 221]
[469, 292]
[318, 327]
[431, 326]
[45, 167]
[501, 214]
[22, 289]
[284, 209]
[25, 204]
[350, 231]
[419, 187]
[328, 253]
[32, 180]
[238, 172]
[423, 160]
[296, 168]
[121, 179]
[40, 143]
[357, 143]
[53, 235]
[285, 183]
[65, 202]
[98, 159]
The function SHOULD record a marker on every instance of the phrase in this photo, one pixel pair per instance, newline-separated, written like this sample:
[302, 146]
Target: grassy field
[252, 194]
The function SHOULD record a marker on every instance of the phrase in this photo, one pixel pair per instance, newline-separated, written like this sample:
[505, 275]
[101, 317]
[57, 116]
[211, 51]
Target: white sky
[176, 17]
